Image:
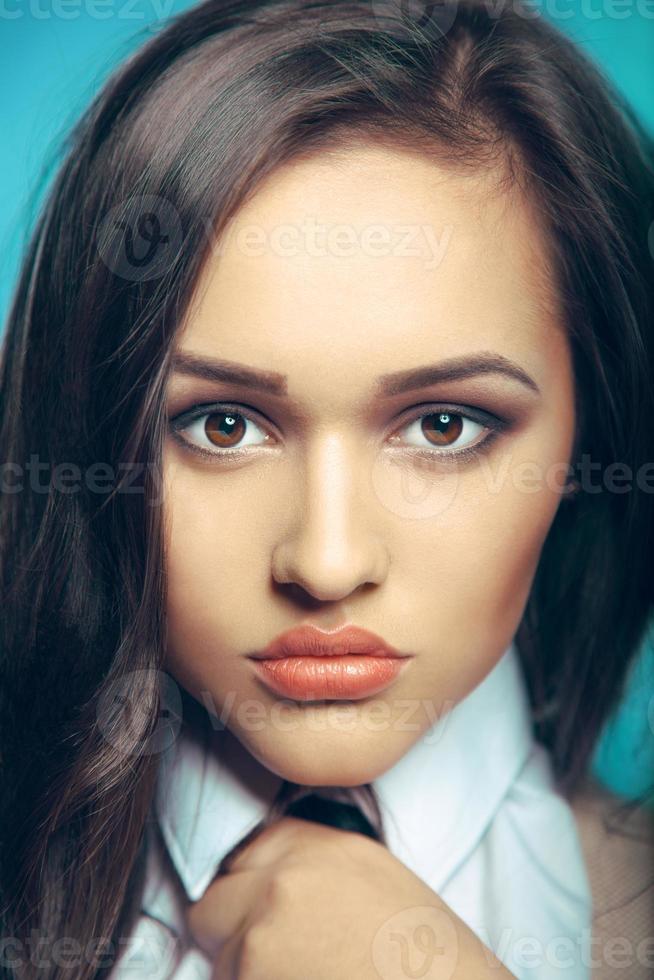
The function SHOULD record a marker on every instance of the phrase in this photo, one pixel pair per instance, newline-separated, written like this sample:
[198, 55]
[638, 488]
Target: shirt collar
[436, 801]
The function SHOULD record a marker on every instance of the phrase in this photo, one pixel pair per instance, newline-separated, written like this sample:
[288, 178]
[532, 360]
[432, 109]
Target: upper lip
[310, 641]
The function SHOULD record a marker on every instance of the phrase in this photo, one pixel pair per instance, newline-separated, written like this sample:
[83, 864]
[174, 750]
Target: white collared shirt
[471, 809]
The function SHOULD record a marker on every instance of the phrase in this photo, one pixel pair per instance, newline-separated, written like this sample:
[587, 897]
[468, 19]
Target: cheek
[510, 543]
[206, 559]
[478, 561]
[505, 515]
[217, 540]
[470, 583]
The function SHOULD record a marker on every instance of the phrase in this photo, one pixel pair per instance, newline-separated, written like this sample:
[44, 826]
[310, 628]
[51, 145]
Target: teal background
[54, 54]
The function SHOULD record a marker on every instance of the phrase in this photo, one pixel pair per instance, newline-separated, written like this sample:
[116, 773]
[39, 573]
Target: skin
[300, 888]
[328, 516]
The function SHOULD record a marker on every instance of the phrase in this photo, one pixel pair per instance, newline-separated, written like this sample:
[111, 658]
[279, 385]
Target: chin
[308, 765]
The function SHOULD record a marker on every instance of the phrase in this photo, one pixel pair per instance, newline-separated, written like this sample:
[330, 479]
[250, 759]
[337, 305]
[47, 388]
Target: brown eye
[442, 429]
[445, 432]
[220, 432]
[224, 429]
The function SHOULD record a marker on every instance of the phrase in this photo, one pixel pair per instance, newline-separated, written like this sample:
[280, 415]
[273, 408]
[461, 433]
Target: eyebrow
[396, 383]
[453, 369]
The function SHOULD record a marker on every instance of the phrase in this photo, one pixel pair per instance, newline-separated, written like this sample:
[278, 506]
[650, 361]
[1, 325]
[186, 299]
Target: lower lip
[348, 676]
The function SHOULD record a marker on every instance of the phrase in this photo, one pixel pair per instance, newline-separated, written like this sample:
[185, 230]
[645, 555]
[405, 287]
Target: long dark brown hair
[179, 137]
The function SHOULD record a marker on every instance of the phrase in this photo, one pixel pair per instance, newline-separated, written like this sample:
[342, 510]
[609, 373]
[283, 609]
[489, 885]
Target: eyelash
[493, 423]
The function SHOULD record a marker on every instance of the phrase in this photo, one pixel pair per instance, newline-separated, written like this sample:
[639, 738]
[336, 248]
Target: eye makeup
[445, 413]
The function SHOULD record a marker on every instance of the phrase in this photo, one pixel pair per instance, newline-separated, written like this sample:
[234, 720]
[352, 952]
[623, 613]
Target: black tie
[347, 816]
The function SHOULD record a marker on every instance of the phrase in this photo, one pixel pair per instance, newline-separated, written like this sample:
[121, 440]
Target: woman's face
[344, 500]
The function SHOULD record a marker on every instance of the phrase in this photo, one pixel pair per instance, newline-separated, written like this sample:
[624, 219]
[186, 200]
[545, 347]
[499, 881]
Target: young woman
[326, 520]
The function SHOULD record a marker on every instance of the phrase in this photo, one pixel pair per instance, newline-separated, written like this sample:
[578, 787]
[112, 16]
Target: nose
[333, 550]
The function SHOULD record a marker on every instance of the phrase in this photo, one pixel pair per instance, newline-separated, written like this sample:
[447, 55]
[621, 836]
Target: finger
[230, 897]
[233, 897]
[226, 962]
[272, 842]
[223, 909]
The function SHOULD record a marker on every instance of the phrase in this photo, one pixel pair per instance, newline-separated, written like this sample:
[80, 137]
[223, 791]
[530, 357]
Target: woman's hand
[306, 901]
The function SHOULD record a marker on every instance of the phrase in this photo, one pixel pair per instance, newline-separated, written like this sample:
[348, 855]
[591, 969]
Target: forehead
[373, 259]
